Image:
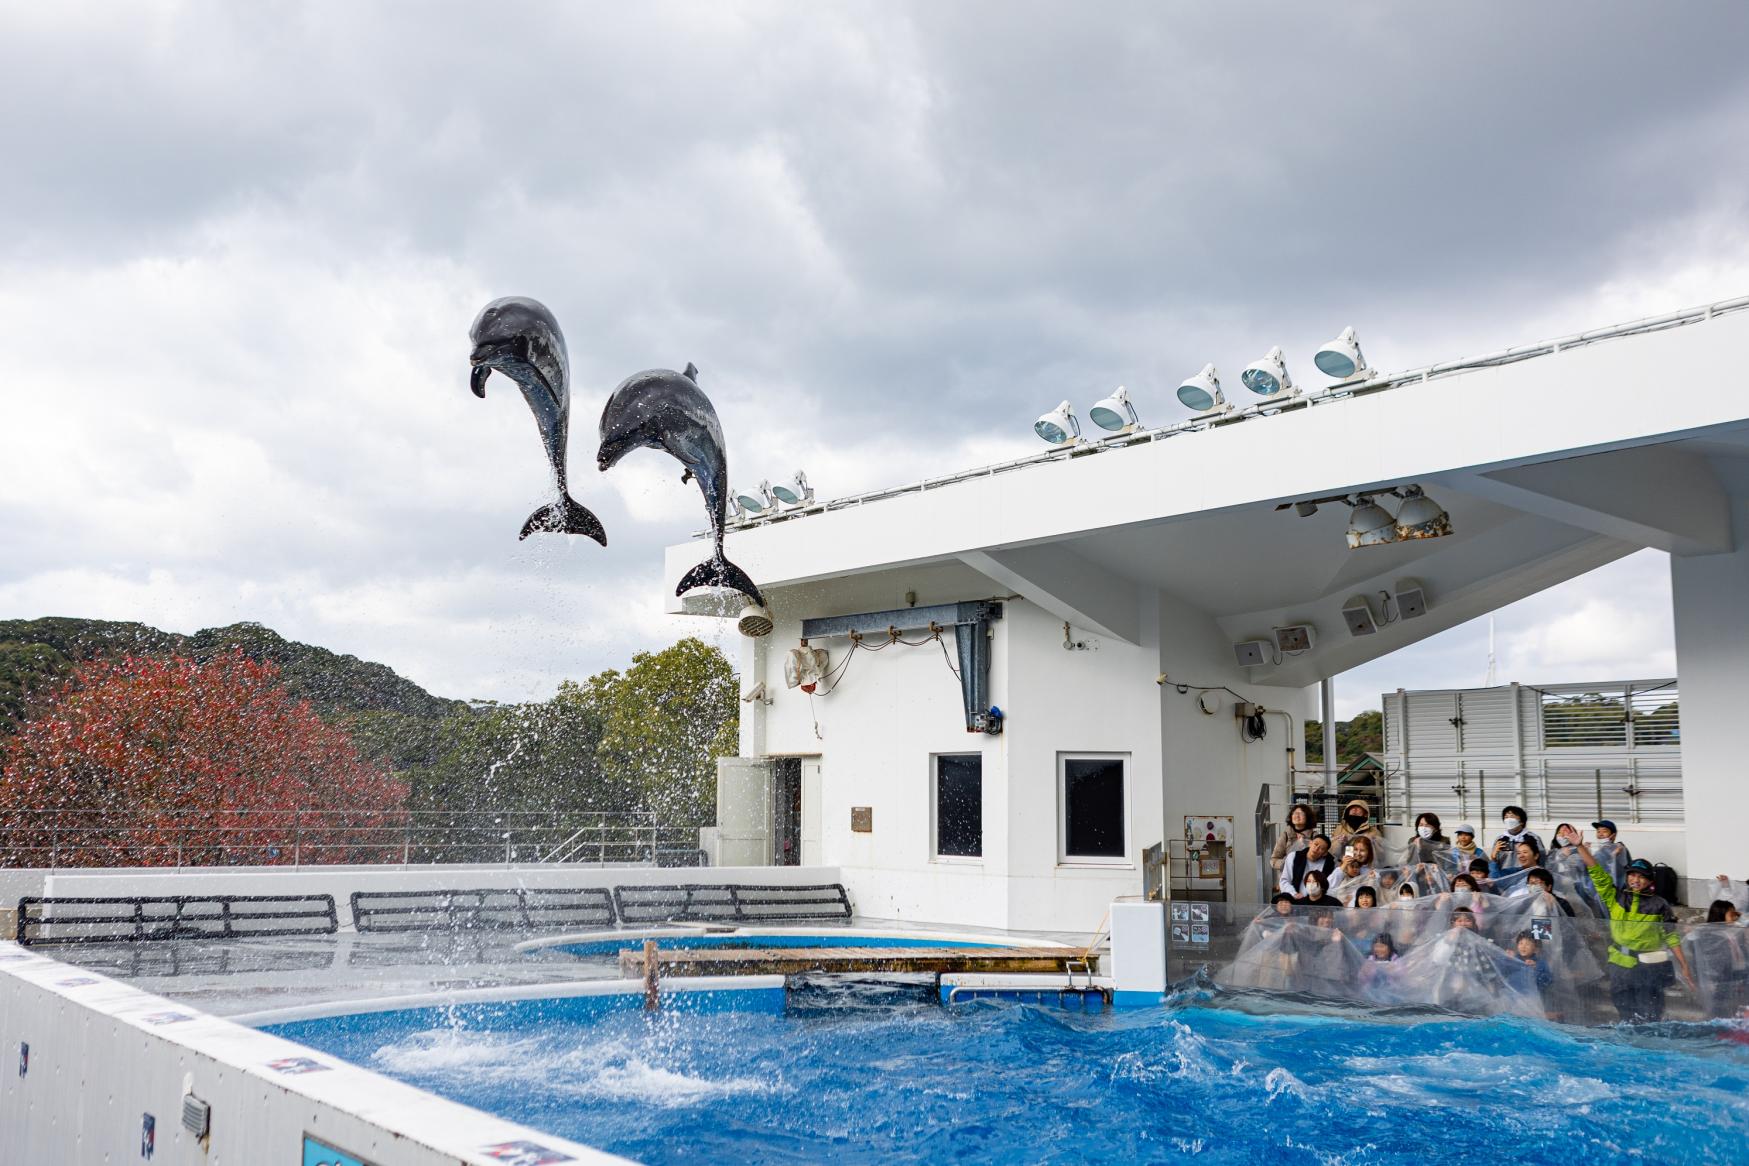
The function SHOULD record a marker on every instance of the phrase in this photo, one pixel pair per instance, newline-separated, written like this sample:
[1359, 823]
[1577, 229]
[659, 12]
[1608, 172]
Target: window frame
[1064, 858]
[935, 854]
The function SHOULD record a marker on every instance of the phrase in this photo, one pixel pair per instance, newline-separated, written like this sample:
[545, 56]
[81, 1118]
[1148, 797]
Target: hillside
[34, 654]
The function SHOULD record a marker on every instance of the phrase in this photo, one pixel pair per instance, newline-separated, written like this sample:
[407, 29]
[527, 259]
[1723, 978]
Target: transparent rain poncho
[1574, 885]
[1426, 878]
[1295, 954]
[1731, 891]
[1460, 970]
[1612, 857]
[1718, 956]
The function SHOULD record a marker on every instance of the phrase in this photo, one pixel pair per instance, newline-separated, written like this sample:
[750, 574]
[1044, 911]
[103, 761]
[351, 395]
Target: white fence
[1573, 752]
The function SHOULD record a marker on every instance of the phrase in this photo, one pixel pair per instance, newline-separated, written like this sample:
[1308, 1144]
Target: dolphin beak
[477, 379]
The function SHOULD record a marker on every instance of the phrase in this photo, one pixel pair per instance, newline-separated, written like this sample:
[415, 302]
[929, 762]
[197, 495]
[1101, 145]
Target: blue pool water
[861, 1074]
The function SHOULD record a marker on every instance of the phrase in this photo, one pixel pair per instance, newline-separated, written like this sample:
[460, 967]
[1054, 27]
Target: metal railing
[1637, 795]
[53, 839]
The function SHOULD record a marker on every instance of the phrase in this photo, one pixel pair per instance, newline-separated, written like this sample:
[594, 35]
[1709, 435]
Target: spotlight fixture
[794, 493]
[754, 621]
[1341, 358]
[1305, 509]
[1202, 392]
[1420, 516]
[1369, 524]
[1268, 377]
[1115, 412]
[753, 503]
[1059, 426]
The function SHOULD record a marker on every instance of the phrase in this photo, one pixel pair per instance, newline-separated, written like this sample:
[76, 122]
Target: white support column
[1710, 595]
[1327, 696]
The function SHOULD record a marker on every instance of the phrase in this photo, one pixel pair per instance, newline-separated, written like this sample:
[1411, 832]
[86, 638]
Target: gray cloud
[244, 243]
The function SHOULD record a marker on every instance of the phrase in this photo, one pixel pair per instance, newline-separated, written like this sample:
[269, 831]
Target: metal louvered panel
[1432, 728]
[1654, 711]
[1487, 722]
[1593, 719]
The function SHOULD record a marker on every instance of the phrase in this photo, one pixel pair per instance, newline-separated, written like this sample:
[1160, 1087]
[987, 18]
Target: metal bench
[731, 903]
[564, 908]
[141, 918]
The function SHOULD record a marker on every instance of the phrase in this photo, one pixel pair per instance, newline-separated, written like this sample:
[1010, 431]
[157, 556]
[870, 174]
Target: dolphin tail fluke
[720, 573]
[566, 516]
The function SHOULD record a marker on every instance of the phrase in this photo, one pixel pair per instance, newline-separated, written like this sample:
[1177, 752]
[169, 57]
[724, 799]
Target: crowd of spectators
[1515, 926]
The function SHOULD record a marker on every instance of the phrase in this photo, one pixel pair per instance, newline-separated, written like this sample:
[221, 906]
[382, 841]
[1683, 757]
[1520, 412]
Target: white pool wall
[103, 1054]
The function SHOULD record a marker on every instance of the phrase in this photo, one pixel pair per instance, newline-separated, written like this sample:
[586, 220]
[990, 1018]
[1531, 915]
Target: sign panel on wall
[321, 1154]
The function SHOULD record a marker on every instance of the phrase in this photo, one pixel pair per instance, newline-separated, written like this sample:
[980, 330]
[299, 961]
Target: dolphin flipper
[720, 573]
[566, 516]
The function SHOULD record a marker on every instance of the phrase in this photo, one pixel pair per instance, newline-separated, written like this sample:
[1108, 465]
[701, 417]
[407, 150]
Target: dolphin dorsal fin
[691, 372]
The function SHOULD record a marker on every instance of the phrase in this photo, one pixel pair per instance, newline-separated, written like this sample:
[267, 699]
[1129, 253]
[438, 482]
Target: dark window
[1093, 807]
[959, 806]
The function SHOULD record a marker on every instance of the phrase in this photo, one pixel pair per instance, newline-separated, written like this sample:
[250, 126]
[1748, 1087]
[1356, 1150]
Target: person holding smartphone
[1504, 852]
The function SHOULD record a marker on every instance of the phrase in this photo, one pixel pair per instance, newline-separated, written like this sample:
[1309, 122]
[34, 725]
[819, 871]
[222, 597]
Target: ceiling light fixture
[1369, 524]
[1420, 516]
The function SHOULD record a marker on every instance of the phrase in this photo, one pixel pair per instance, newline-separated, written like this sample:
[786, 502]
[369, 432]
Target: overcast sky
[241, 244]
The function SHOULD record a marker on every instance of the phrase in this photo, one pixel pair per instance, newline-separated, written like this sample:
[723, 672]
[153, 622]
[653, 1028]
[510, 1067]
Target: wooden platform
[791, 960]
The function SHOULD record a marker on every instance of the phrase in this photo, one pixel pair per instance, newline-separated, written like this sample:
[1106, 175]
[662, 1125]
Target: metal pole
[652, 982]
[1597, 778]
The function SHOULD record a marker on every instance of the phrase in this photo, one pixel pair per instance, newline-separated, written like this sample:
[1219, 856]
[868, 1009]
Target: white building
[1161, 551]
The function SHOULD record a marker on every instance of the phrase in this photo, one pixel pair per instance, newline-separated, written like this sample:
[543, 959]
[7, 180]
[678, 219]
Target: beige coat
[1370, 831]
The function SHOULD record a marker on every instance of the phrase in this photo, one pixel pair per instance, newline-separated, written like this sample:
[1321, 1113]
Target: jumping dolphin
[520, 338]
[666, 410]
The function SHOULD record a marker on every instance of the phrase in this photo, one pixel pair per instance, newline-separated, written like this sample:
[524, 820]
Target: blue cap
[1606, 824]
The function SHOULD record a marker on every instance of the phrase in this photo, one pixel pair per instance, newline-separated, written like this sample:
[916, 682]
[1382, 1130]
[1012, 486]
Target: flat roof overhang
[1549, 467]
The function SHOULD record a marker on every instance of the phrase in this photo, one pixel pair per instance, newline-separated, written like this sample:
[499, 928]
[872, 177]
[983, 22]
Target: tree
[664, 723]
[1364, 734]
[159, 760]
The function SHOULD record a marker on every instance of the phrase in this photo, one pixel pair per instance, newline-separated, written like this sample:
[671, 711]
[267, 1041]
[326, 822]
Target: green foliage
[645, 739]
[335, 685]
[1364, 734]
[664, 722]
[27, 670]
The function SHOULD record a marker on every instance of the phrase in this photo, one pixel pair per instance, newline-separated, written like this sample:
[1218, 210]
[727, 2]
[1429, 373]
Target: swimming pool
[864, 1073]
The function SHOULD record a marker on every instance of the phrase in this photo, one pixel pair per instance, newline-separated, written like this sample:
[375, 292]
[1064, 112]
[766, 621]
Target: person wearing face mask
[1642, 939]
[1609, 850]
[1294, 836]
[1356, 823]
[1428, 844]
[1505, 858]
[1314, 859]
[1315, 896]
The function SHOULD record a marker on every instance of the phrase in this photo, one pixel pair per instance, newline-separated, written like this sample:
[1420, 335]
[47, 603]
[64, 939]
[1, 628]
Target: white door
[812, 851]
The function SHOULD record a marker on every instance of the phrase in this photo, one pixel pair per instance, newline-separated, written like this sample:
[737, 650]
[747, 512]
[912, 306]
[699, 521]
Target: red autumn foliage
[152, 761]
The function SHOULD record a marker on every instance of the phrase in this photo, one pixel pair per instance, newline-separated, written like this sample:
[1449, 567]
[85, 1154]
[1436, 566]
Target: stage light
[1115, 412]
[1341, 358]
[1268, 377]
[1202, 392]
[1059, 426]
